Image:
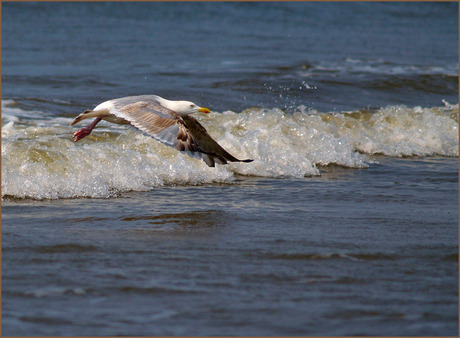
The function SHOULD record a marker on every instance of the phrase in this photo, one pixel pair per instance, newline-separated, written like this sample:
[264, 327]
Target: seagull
[166, 121]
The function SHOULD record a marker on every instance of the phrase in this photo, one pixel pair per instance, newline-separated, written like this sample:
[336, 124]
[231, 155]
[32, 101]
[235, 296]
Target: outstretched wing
[157, 121]
[211, 151]
[182, 133]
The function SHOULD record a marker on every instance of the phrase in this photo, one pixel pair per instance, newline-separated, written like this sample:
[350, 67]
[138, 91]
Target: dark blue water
[353, 252]
[231, 55]
[323, 236]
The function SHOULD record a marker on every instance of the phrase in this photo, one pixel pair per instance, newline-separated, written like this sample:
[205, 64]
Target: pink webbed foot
[83, 132]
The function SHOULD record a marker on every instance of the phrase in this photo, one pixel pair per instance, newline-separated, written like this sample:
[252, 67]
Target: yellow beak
[204, 110]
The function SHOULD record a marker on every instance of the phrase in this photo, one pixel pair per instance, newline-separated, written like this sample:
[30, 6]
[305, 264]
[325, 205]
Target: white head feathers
[182, 108]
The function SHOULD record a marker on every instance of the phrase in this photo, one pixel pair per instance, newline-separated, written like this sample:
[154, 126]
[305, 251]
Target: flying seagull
[166, 121]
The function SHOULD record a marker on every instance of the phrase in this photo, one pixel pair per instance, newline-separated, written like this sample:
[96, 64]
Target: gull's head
[187, 107]
[183, 108]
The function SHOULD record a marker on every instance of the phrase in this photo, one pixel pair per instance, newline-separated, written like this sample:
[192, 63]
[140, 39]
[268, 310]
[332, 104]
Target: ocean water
[346, 223]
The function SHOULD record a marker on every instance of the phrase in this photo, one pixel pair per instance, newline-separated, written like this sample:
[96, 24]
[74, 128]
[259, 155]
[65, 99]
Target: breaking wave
[40, 160]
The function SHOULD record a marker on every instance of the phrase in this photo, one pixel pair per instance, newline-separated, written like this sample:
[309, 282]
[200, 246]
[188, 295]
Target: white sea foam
[54, 291]
[12, 112]
[377, 66]
[40, 160]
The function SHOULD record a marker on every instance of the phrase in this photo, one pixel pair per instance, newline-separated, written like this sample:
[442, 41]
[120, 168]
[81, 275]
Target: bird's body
[166, 121]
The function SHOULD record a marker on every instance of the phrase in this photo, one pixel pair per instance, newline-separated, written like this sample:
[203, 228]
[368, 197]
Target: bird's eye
[191, 106]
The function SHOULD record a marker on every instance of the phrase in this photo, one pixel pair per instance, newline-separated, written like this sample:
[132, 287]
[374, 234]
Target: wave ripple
[40, 160]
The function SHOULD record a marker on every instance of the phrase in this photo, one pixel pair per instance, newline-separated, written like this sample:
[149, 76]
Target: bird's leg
[83, 132]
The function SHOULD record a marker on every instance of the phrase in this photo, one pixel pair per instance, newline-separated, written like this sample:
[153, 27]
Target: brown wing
[211, 151]
[182, 133]
[159, 122]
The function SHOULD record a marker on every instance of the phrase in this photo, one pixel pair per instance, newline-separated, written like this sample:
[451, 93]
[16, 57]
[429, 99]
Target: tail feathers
[225, 156]
[228, 157]
[237, 160]
[211, 159]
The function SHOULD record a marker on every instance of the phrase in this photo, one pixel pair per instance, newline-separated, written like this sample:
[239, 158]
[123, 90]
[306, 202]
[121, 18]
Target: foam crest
[40, 160]
[55, 167]
[12, 112]
[400, 131]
